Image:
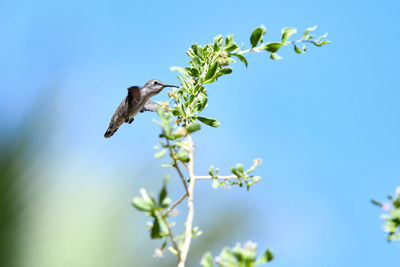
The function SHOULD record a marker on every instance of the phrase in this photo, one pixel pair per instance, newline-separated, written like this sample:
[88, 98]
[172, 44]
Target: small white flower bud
[158, 253]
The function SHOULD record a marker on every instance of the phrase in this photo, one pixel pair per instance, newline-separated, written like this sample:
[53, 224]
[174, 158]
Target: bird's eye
[155, 82]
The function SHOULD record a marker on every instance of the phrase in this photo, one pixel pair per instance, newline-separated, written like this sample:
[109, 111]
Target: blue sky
[325, 123]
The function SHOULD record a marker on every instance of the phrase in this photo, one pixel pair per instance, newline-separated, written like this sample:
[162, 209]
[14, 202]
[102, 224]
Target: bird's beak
[167, 85]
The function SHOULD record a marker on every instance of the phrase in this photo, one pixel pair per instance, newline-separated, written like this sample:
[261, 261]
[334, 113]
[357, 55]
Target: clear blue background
[326, 124]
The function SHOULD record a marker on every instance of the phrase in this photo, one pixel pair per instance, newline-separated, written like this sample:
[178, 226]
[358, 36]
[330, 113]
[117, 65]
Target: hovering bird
[136, 101]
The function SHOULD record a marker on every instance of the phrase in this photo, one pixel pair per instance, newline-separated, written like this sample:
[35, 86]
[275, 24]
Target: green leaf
[218, 39]
[207, 50]
[183, 82]
[229, 40]
[249, 255]
[181, 108]
[172, 250]
[194, 72]
[390, 227]
[230, 44]
[257, 35]
[197, 232]
[228, 258]
[142, 204]
[196, 63]
[202, 100]
[165, 203]
[217, 43]
[198, 50]
[266, 257]
[164, 227]
[287, 32]
[159, 229]
[396, 203]
[182, 156]
[320, 43]
[309, 30]
[163, 245]
[163, 193]
[211, 170]
[236, 172]
[309, 37]
[323, 36]
[376, 203]
[298, 50]
[182, 71]
[175, 112]
[193, 127]
[241, 58]
[207, 260]
[232, 47]
[275, 56]
[209, 121]
[226, 70]
[396, 214]
[160, 153]
[240, 167]
[212, 70]
[272, 47]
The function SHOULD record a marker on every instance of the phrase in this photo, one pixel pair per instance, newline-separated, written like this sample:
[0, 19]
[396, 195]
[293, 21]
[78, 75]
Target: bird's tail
[109, 132]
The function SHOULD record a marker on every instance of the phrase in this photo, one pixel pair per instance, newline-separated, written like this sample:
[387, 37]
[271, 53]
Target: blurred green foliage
[12, 201]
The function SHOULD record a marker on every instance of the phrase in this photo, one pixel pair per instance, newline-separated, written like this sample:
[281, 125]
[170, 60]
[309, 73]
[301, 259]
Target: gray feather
[149, 106]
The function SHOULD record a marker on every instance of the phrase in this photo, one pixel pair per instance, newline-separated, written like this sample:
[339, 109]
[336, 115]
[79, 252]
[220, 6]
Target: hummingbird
[137, 100]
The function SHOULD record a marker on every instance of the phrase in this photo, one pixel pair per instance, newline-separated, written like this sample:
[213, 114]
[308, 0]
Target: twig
[171, 236]
[181, 176]
[209, 177]
[175, 204]
[190, 214]
[227, 177]
[177, 166]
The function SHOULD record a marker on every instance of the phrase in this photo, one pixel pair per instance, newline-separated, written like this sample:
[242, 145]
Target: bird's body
[136, 101]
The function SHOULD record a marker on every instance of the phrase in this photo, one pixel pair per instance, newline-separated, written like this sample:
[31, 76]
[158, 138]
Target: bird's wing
[149, 106]
[133, 97]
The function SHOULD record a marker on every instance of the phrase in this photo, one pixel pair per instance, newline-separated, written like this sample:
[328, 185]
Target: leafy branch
[391, 216]
[207, 64]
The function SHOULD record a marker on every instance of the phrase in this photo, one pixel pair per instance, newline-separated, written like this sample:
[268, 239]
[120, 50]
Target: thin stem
[190, 215]
[245, 51]
[175, 204]
[209, 177]
[171, 236]
[181, 176]
[301, 41]
[260, 48]
[172, 154]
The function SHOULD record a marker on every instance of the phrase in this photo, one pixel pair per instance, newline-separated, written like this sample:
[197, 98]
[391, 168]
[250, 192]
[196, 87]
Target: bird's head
[155, 86]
